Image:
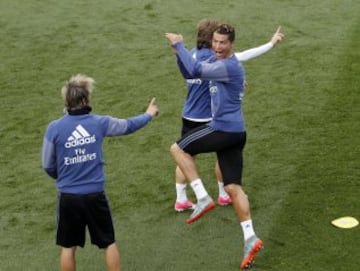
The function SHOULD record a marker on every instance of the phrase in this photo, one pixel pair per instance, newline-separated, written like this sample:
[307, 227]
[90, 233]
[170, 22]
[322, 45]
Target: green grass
[302, 113]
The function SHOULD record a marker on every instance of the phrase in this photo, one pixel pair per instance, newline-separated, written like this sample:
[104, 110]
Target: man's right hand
[152, 109]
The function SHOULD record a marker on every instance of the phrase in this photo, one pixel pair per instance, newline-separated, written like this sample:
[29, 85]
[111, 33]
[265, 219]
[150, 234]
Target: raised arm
[197, 69]
[127, 126]
[262, 49]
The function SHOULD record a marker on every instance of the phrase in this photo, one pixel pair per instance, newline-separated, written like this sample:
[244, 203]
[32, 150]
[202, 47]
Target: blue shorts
[76, 212]
[227, 145]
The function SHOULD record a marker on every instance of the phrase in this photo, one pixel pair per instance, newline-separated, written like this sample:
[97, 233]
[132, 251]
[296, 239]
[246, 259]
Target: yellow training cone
[346, 222]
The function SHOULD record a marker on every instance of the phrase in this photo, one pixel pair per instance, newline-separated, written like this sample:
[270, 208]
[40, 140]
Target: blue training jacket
[227, 77]
[72, 149]
[197, 104]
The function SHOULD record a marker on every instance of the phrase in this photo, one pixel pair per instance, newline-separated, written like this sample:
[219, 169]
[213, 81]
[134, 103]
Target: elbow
[192, 74]
[52, 173]
[195, 73]
[187, 76]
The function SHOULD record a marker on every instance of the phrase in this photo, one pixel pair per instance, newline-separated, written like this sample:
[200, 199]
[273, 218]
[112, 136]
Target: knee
[174, 148]
[234, 189]
[230, 189]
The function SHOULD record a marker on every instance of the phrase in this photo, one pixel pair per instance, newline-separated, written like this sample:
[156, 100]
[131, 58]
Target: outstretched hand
[174, 38]
[277, 37]
[152, 109]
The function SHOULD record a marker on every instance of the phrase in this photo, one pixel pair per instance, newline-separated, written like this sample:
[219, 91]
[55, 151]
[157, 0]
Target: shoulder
[233, 58]
[100, 120]
[204, 54]
[233, 62]
[54, 123]
[53, 128]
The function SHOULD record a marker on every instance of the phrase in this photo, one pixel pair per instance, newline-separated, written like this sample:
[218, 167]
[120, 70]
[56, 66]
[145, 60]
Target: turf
[302, 113]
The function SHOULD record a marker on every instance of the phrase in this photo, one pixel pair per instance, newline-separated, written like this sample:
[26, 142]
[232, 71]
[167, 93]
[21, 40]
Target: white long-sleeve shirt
[254, 52]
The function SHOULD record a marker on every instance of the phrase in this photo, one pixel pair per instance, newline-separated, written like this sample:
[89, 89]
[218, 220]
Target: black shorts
[76, 212]
[227, 145]
[188, 125]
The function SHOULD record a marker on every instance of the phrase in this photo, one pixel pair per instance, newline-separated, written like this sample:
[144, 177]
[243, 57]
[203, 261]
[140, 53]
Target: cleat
[252, 247]
[183, 206]
[203, 206]
[224, 201]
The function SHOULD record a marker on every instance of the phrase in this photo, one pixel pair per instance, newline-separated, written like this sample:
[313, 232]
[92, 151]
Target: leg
[67, 259]
[231, 164]
[240, 201]
[242, 208]
[185, 162]
[187, 165]
[179, 176]
[198, 140]
[223, 199]
[112, 258]
[70, 229]
[218, 174]
[182, 203]
[101, 228]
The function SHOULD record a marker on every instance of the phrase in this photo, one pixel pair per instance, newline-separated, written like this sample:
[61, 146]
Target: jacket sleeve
[118, 127]
[48, 158]
[182, 69]
[201, 69]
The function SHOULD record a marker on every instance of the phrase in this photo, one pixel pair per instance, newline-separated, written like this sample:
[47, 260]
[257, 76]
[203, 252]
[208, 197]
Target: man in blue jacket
[225, 134]
[72, 154]
[197, 107]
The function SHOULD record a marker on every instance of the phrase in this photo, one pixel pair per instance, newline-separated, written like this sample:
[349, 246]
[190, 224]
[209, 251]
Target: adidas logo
[79, 137]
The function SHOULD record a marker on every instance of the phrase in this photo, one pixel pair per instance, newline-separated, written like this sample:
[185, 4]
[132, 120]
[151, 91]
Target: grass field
[302, 112]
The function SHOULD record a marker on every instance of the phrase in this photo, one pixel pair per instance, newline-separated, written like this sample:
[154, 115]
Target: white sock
[199, 189]
[181, 192]
[247, 228]
[222, 192]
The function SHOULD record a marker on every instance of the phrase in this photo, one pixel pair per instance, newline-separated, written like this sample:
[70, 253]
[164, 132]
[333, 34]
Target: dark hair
[205, 32]
[226, 29]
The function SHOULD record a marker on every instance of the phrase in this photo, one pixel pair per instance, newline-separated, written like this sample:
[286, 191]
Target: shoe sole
[183, 210]
[224, 204]
[208, 208]
[247, 262]
[180, 210]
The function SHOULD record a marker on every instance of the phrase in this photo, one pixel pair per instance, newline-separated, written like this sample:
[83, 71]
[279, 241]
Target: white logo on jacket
[79, 137]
